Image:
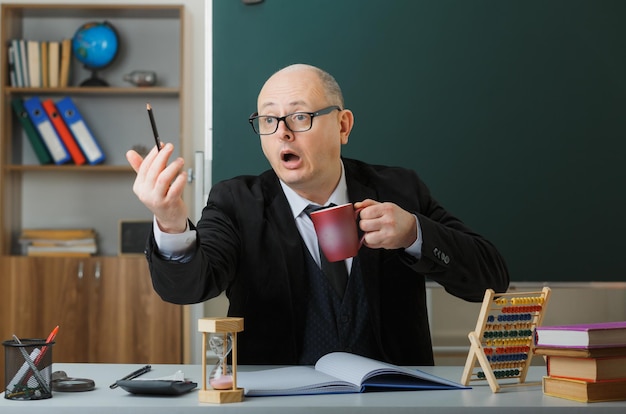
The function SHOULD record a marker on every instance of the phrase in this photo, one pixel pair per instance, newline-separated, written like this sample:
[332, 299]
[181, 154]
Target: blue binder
[81, 132]
[46, 130]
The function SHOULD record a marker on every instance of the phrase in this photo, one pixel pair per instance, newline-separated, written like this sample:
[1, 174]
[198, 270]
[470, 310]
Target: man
[256, 241]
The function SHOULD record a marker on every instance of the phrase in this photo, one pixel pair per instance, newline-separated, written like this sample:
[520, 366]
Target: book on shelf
[76, 250]
[590, 335]
[83, 135]
[34, 63]
[57, 234]
[36, 142]
[66, 57]
[585, 391]
[17, 62]
[58, 242]
[53, 63]
[63, 132]
[24, 63]
[11, 60]
[45, 82]
[339, 372]
[59, 254]
[587, 369]
[39, 63]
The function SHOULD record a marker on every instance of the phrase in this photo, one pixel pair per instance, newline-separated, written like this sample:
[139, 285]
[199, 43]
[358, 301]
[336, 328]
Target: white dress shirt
[176, 246]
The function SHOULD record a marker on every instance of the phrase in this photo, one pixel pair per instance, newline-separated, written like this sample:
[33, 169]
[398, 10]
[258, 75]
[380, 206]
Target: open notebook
[339, 372]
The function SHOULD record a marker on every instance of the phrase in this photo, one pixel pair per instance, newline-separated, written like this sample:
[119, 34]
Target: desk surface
[527, 398]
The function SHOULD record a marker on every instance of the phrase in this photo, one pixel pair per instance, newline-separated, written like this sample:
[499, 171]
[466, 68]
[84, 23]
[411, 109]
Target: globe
[95, 45]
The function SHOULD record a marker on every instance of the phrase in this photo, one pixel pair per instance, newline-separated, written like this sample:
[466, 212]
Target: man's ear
[346, 122]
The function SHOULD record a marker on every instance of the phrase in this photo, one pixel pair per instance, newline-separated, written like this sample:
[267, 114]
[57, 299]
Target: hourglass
[222, 339]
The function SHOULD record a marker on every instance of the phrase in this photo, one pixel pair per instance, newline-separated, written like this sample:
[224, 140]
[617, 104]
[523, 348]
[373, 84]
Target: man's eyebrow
[292, 104]
[266, 105]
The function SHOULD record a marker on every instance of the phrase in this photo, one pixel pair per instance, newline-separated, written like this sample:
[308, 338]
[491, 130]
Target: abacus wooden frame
[493, 303]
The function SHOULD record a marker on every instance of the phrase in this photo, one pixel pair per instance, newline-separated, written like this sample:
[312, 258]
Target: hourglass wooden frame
[503, 341]
[224, 326]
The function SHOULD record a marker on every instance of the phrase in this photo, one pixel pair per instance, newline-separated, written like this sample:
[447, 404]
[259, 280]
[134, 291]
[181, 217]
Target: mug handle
[358, 218]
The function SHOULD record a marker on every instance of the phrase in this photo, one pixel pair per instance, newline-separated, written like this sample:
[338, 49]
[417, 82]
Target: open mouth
[289, 157]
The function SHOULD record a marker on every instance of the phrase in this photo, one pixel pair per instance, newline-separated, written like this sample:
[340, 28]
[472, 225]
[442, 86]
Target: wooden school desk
[522, 399]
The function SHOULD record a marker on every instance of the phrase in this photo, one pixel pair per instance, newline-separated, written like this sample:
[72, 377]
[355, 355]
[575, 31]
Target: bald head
[327, 82]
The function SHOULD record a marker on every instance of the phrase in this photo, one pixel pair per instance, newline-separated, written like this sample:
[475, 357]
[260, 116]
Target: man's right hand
[160, 187]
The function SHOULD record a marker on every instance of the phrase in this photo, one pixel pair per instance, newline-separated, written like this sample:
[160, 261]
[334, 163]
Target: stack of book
[585, 362]
[39, 64]
[59, 242]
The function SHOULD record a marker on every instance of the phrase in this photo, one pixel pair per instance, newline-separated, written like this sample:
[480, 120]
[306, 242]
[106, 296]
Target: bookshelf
[33, 195]
[104, 303]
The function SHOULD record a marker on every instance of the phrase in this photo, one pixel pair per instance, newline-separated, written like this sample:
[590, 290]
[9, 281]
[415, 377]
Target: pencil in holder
[28, 369]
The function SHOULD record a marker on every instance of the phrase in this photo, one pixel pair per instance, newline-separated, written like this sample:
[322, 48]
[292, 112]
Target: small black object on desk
[132, 375]
[62, 383]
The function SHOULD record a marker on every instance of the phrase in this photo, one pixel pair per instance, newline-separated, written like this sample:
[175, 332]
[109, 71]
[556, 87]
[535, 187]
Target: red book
[64, 133]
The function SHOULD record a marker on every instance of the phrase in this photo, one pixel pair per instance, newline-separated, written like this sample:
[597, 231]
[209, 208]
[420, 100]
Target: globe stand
[94, 80]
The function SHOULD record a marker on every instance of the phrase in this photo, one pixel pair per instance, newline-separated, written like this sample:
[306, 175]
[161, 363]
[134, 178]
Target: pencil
[154, 128]
[39, 357]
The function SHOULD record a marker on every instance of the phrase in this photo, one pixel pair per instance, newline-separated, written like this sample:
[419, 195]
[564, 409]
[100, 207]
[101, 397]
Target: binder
[83, 135]
[41, 121]
[63, 132]
[31, 132]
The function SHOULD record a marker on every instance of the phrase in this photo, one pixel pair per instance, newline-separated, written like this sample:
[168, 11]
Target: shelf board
[101, 10]
[79, 90]
[71, 168]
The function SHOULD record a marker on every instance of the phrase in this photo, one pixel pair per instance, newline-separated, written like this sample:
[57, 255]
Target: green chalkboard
[513, 112]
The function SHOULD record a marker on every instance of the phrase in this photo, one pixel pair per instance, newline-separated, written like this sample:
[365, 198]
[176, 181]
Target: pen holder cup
[27, 369]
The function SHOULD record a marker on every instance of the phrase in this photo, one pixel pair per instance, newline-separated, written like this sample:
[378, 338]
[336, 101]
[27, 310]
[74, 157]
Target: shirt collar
[297, 203]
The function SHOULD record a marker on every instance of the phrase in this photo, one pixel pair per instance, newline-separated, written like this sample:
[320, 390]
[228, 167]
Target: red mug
[337, 233]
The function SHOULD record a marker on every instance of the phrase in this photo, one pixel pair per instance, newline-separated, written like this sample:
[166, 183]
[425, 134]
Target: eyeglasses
[296, 122]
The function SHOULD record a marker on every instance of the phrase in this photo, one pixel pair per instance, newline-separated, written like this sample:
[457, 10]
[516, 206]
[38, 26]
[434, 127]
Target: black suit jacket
[248, 244]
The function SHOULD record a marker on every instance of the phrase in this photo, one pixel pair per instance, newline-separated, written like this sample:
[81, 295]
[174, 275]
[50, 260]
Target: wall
[511, 111]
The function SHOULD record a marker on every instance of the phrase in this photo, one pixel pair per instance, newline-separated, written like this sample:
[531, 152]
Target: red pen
[51, 337]
[39, 357]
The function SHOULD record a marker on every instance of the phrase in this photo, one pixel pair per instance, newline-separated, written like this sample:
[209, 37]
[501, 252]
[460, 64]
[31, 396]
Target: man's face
[309, 161]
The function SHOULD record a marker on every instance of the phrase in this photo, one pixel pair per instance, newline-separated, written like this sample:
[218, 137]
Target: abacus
[503, 339]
